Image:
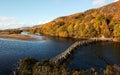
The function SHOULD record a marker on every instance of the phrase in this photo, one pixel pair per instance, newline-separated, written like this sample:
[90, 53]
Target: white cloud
[116, 0]
[12, 26]
[7, 19]
[98, 2]
[10, 23]
[43, 22]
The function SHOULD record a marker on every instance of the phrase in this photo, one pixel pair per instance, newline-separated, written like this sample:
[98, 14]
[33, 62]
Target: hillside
[91, 23]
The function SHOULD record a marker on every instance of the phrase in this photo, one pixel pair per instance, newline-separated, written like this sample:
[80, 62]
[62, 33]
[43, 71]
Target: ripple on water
[12, 50]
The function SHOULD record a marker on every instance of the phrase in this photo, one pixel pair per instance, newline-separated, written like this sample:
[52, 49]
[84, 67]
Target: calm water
[97, 56]
[12, 50]
[86, 57]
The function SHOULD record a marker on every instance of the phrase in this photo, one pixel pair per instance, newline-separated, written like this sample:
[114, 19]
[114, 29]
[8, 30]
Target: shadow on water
[96, 56]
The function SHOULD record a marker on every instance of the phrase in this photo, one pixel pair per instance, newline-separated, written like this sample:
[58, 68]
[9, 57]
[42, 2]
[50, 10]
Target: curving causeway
[67, 53]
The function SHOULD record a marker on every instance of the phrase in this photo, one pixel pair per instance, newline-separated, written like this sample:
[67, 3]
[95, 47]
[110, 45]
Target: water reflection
[13, 50]
[96, 55]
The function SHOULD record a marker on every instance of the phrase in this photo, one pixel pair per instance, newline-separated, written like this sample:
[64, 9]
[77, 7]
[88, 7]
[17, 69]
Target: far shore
[29, 38]
[18, 36]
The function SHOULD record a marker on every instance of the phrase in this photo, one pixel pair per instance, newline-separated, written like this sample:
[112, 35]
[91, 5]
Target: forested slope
[91, 23]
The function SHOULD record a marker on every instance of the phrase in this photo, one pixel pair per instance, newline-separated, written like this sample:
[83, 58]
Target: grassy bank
[117, 39]
[17, 36]
[10, 31]
[30, 66]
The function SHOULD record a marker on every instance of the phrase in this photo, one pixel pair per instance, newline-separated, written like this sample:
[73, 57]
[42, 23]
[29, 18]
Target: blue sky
[19, 13]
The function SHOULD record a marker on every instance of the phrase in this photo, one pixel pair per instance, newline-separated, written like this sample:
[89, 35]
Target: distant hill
[91, 23]
[24, 28]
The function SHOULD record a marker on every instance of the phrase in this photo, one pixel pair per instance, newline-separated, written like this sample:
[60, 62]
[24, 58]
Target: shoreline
[112, 39]
[29, 38]
[18, 36]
